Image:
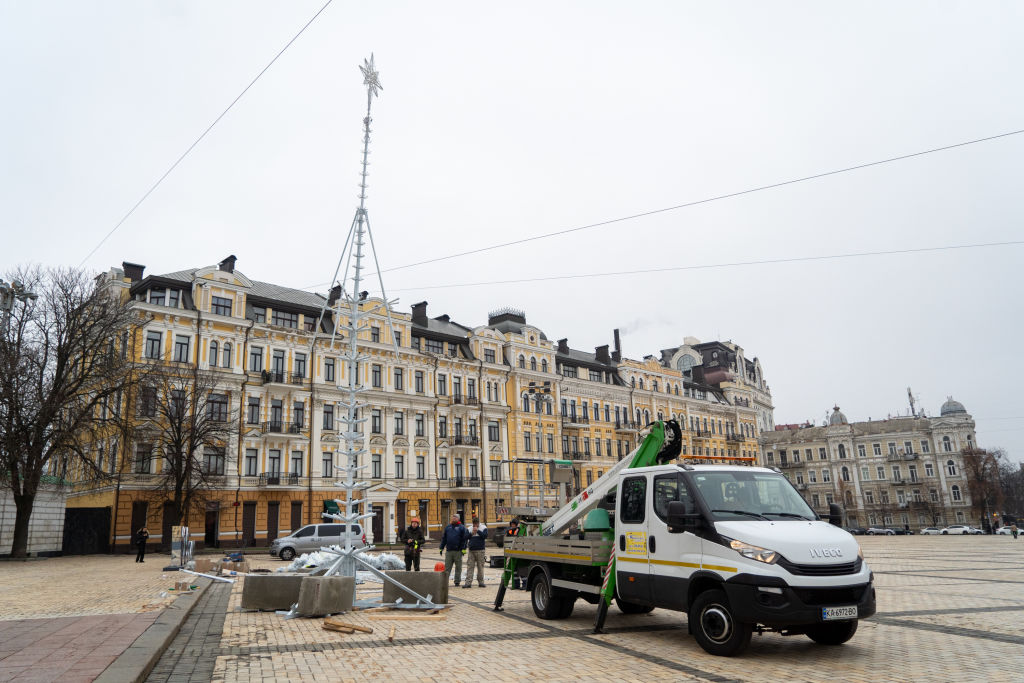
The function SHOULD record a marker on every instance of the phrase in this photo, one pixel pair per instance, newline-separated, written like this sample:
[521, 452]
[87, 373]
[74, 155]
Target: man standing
[453, 546]
[412, 535]
[141, 536]
[477, 537]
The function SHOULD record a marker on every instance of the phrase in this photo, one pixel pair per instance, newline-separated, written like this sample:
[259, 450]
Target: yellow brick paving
[920, 581]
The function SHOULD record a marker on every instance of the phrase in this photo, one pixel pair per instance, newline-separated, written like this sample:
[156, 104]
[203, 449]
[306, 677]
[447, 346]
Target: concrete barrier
[424, 583]
[271, 591]
[323, 595]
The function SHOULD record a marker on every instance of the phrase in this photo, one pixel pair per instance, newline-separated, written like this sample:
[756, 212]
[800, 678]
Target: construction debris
[391, 634]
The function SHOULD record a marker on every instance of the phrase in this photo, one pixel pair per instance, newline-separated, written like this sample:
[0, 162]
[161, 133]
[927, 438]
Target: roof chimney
[617, 353]
[419, 314]
[601, 353]
[563, 345]
[133, 271]
[228, 264]
[334, 295]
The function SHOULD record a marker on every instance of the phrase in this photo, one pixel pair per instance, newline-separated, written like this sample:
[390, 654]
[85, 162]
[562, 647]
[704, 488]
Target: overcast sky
[503, 122]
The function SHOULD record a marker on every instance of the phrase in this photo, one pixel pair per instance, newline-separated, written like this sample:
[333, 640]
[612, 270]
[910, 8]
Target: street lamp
[9, 293]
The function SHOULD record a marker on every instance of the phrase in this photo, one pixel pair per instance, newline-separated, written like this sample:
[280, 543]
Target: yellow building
[459, 419]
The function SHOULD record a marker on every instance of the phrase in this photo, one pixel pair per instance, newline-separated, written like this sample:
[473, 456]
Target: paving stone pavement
[949, 609]
[193, 652]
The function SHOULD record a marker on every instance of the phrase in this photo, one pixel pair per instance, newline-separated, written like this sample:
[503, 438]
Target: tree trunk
[23, 506]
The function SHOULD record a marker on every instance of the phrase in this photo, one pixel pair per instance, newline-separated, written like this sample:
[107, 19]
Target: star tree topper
[371, 79]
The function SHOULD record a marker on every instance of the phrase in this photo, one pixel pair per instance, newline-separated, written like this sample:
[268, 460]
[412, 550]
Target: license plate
[838, 613]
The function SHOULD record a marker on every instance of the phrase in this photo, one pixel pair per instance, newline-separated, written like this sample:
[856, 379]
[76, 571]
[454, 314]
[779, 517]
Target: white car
[880, 531]
[975, 531]
[930, 531]
[1005, 531]
[957, 529]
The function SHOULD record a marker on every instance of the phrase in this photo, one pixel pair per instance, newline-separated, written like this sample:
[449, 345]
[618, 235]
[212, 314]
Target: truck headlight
[753, 552]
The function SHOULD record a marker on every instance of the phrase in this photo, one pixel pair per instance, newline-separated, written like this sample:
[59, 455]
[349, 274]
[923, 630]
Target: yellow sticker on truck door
[636, 543]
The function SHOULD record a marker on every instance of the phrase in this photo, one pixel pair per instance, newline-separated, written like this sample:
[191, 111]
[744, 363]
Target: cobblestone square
[949, 609]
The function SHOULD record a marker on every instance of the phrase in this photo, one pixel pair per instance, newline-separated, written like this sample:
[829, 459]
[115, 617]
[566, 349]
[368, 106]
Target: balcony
[298, 378]
[465, 401]
[283, 428]
[461, 440]
[574, 420]
[273, 377]
[735, 438]
[278, 479]
[626, 426]
[786, 464]
[464, 482]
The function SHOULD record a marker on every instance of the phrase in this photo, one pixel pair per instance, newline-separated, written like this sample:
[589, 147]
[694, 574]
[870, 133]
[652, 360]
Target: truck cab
[737, 548]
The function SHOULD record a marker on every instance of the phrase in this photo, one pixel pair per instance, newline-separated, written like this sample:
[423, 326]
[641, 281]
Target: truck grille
[821, 569]
[847, 595]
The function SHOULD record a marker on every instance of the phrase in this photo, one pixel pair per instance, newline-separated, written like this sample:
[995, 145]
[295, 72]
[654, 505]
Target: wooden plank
[410, 617]
[338, 629]
[391, 634]
[330, 621]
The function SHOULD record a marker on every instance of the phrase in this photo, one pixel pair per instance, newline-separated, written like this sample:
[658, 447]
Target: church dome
[837, 418]
[951, 407]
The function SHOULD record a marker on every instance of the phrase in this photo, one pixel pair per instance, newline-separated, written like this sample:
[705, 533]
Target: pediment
[401, 442]
[383, 487]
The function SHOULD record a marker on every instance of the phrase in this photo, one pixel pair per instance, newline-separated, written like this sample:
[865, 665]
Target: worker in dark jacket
[453, 547]
[475, 545]
[141, 536]
[413, 538]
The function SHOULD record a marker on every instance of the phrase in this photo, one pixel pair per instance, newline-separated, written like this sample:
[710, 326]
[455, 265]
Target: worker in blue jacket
[453, 547]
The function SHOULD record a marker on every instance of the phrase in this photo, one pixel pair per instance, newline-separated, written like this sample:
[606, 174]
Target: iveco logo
[826, 552]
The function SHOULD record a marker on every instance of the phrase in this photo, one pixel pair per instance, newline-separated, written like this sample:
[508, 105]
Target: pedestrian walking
[475, 545]
[413, 537]
[453, 547]
[140, 542]
[1013, 530]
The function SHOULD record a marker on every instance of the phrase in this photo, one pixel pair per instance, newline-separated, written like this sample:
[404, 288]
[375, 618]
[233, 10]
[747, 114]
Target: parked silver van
[312, 537]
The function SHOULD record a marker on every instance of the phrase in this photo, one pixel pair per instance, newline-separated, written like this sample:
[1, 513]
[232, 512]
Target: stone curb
[138, 660]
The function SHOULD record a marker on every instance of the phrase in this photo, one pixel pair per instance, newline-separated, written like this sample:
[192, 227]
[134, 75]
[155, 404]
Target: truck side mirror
[835, 514]
[680, 518]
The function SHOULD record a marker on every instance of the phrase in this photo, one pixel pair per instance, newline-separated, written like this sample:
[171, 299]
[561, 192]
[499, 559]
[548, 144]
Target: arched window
[633, 381]
[677, 390]
[214, 354]
[951, 468]
[526, 403]
[522, 361]
[655, 385]
[536, 405]
[533, 363]
[227, 354]
[956, 493]
[547, 406]
[947, 445]
[660, 416]
[647, 416]
[641, 382]
[638, 415]
[543, 364]
[842, 454]
[845, 473]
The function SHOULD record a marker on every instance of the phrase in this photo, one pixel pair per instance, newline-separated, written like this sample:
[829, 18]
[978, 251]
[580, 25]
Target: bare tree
[982, 470]
[63, 361]
[1011, 479]
[186, 424]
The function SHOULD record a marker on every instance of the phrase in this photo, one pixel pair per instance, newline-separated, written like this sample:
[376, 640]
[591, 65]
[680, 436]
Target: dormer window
[220, 306]
[157, 296]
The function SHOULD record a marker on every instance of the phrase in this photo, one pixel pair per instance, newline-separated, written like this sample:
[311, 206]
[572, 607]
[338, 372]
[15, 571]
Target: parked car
[857, 530]
[312, 537]
[903, 532]
[973, 530]
[880, 531]
[931, 531]
[957, 529]
[1004, 531]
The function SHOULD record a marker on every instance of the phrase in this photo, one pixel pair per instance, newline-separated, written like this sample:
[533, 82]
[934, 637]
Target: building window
[328, 369]
[375, 374]
[956, 494]
[434, 346]
[252, 411]
[442, 385]
[285, 319]
[251, 462]
[375, 422]
[495, 471]
[154, 340]
[329, 417]
[327, 464]
[217, 408]
[399, 423]
[865, 473]
[929, 470]
[375, 471]
[527, 441]
[375, 334]
[143, 458]
[861, 451]
[420, 426]
[418, 379]
[933, 494]
[399, 383]
[845, 474]
[925, 447]
[822, 454]
[227, 356]
[951, 468]
[256, 359]
[947, 445]
[453, 350]
[522, 361]
[812, 476]
[493, 431]
[442, 427]
[533, 363]
[399, 467]
[421, 467]
[442, 468]
[213, 460]
[220, 305]
[543, 365]
[842, 451]
[300, 365]
[595, 375]
[876, 448]
[181, 342]
[488, 355]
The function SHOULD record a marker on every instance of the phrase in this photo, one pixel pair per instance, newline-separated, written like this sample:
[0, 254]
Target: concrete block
[271, 591]
[323, 595]
[424, 583]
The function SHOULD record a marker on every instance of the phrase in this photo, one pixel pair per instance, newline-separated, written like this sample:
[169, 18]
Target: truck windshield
[751, 495]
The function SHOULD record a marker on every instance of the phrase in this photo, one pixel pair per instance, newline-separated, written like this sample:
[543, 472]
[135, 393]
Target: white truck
[735, 547]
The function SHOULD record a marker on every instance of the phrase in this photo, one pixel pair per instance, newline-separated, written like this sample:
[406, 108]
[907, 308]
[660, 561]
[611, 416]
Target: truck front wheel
[832, 634]
[546, 604]
[714, 627]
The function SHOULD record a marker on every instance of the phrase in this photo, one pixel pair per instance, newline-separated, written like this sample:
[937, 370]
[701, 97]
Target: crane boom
[657, 447]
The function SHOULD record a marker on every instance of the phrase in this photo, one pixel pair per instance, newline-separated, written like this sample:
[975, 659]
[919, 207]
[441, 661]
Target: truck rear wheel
[835, 633]
[714, 627]
[546, 604]
[631, 607]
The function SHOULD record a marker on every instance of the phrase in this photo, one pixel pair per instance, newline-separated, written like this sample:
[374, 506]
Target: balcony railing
[282, 427]
[464, 440]
[278, 479]
[298, 378]
[460, 482]
[465, 400]
[626, 426]
[736, 438]
[574, 420]
[273, 377]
